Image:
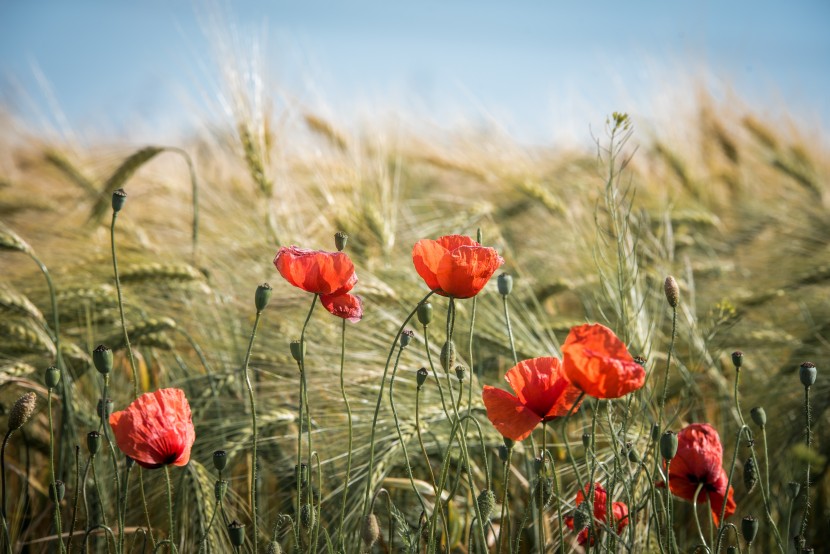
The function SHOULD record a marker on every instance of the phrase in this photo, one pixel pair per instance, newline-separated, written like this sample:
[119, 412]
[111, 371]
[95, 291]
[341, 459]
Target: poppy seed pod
[406, 337]
[807, 374]
[737, 359]
[370, 530]
[448, 355]
[421, 377]
[102, 359]
[274, 548]
[220, 488]
[262, 296]
[505, 284]
[118, 199]
[672, 291]
[307, 516]
[298, 350]
[750, 474]
[93, 442]
[793, 488]
[22, 410]
[460, 372]
[100, 407]
[668, 445]
[340, 240]
[220, 460]
[486, 500]
[749, 528]
[236, 532]
[57, 491]
[425, 313]
[759, 416]
[52, 377]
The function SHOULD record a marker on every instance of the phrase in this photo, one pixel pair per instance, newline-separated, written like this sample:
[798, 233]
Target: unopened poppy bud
[582, 518]
[274, 548]
[370, 530]
[448, 355]
[102, 359]
[302, 469]
[544, 491]
[737, 359]
[340, 240]
[220, 460]
[793, 488]
[749, 528]
[505, 284]
[220, 488]
[307, 516]
[406, 337]
[750, 474]
[586, 440]
[104, 405]
[93, 442]
[297, 350]
[655, 432]
[118, 199]
[236, 532]
[759, 416]
[421, 377]
[22, 410]
[52, 377]
[486, 500]
[262, 296]
[57, 491]
[672, 291]
[668, 445]
[640, 360]
[459, 372]
[504, 453]
[807, 374]
[425, 313]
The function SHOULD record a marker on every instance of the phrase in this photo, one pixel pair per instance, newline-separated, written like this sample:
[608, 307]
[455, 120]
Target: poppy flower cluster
[330, 275]
[455, 265]
[699, 460]
[619, 512]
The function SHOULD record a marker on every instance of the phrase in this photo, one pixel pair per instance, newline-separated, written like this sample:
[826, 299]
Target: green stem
[172, 534]
[53, 486]
[697, 518]
[3, 477]
[669, 529]
[509, 330]
[807, 417]
[502, 521]
[349, 418]
[104, 425]
[101, 502]
[668, 365]
[252, 399]
[144, 504]
[540, 491]
[301, 367]
[121, 307]
[75, 498]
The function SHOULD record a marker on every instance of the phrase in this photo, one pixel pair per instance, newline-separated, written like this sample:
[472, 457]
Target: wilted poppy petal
[464, 271]
[509, 416]
[717, 496]
[347, 306]
[540, 385]
[426, 255]
[316, 271]
[597, 362]
[451, 242]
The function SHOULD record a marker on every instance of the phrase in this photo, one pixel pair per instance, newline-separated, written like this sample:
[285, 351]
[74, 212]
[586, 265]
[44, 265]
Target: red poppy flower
[156, 429]
[542, 394]
[699, 460]
[348, 306]
[455, 265]
[619, 512]
[316, 271]
[597, 362]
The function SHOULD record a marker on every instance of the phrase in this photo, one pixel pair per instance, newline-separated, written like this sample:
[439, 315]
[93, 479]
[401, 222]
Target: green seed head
[759, 416]
[737, 359]
[298, 350]
[460, 372]
[672, 291]
[220, 460]
[22, 411]
[749, 528]
[668, 445]
[807, 374]
[119, 197]
[52, 377]
[262, 296]
[236, 532]
[406, 337]
[93, 442]
[421, 377]
[505, 284]
[425, 313]
[340, 240]
[102, 359]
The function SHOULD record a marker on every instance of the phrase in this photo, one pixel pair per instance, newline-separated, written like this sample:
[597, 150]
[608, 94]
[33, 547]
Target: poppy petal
[540, 385]
[508, 415]
[426, 255]
[316, 271]
[464, 271]
[451, 242]
[346, 306]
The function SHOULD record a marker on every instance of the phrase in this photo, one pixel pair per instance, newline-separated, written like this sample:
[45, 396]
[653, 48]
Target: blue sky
[144, 68]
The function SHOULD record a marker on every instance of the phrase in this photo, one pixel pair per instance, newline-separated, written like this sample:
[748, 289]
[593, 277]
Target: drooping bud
[505, 284]
[668, 445]
[22, 410]
[104, 406]
[448, 355]
[421, 377]
[220, 488]
[460, 372]
[793, 488]
[52, 377]
[807, 374]
[582, 518]
[102, 359]
[297, 350]
[57, 491]
[486, 500]
[118, 199]
[425, 313]
[274, 548]
[672, 291]
[406, 337]
[220, 460]
[750, 474]
[370, 530]
[307, 516]
[749, 528]
[759, 416]
[262, 296]
[737, 359]
[236, 533]
[93, 442]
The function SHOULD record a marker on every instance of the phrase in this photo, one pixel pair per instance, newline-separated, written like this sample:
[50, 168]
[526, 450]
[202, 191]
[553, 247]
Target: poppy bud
[370, 530]
[52, 377]
[807, 374]
[586, 440]
[581, 517]
[655, 432]
[220, 460]
[93, 442]
[750, 474]
[22, 410]
[274, 548]
[425, 313]
[737, 359]
[100, 406]
[668, 445]
[759, 416]
[421, 377]
[640, 360]
[459, 372]
[504, 453]
[448, 355]
[56, 491]
[749, 528]
[544, 491]
[118, 199]
[406, 337]
[793, 488]
[262, 296]
[303, 471]
[297, 350]
[340, 240]
[486, 500]
[307, 516]
[505, 283]
[102, 358]
[236, 532]
[220, 488]
[672, 291]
